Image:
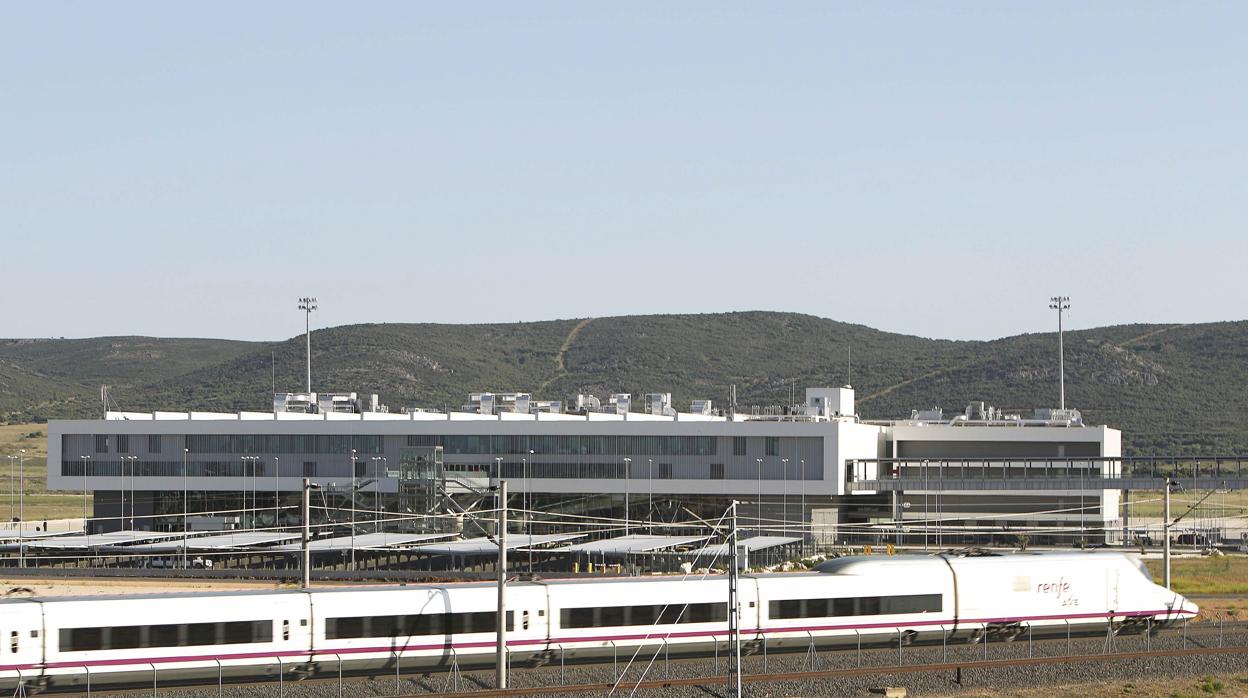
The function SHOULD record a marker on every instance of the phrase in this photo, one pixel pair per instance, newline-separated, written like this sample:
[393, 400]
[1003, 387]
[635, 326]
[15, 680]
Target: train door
[1111, 590]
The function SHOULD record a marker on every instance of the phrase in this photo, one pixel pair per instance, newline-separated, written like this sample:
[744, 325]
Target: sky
[938, 169]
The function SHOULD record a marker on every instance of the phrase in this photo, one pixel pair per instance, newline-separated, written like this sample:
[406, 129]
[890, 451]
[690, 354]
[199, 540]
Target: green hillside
[1170, 388]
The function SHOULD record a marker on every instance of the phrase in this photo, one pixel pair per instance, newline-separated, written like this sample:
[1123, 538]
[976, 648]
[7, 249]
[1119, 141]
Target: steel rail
[836, 673]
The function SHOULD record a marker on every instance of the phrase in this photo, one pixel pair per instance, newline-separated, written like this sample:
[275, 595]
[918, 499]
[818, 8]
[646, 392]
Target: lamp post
[650, 487]
[759, 502]
[86, 465]
[307, 305]
[249, 463]
[784, 500]
[130, 460]
[21, 506]
[802, 477]
[12, 490]
[628, 467]
[1060, 304]
[379, 466]
[352, 509]
[185, 504]
[528, 496]
[277, 497]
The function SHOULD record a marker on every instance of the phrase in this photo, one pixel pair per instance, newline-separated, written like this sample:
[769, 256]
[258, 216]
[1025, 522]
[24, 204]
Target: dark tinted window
[610, 616]
[856, 606]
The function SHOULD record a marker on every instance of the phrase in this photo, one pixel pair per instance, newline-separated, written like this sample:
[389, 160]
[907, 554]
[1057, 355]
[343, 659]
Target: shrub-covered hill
[1170, 388]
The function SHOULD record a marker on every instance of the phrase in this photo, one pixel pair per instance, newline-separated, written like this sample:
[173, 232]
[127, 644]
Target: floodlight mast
[307, 304]
[1060, 304]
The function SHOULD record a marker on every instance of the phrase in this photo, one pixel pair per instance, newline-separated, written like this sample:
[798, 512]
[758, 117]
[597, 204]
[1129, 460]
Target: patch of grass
[1207, 575]
[32, 473]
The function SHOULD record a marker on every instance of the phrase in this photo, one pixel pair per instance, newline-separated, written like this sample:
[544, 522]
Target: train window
[672, 614]
[125, 637]
[163, 636]
[13, 641]
[351, 627]
[201, 634]
[81, 639]
[285, 630]
[856, 606]
[303, 622]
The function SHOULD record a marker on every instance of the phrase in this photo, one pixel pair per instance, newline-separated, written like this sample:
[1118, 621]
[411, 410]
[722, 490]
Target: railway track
[788, 668]
[828, 674]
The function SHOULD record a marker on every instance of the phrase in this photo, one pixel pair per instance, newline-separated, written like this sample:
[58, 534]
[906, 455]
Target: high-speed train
[64, 642]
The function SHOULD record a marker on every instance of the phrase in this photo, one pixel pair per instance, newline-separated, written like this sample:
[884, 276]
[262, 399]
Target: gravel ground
[929, 684]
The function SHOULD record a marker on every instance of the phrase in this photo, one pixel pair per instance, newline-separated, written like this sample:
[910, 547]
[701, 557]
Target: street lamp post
[353, 509]
[86, 466]
[528, 496]
[130, 460]
[12, 490]
[759, 503]
[307, 305]
[21, 507]
[185, 504]
[628, 467]
[802, 477]
[277, 497]
[784, 501]
[650, 486]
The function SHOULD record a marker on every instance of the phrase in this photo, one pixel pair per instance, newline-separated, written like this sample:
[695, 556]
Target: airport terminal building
[245, 470]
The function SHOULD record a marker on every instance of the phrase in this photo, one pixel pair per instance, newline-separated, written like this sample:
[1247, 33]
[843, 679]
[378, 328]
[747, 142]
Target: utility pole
[21, 508]
[1165, 534]
[307, 304]
[500, 650]
[1060, 304]
[734, 609]
[185, 505]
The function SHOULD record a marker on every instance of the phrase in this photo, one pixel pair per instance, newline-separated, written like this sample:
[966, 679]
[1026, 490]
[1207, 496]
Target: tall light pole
[185, 504]
[784, 501]
[12, 490]
[1060, 304]
[802, 477]
[500, 647]
[628, 467]
[21, 506]
[759, 504]
[307, 305]
[277, 497]
[650, 486]
[125, 460]
[86, 464]
[352, 509]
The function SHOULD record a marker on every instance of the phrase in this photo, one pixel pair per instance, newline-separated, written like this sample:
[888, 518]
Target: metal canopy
[218, 541]
[750, 544]
[485, 546]
[98, 540]
[363, 541]
[632, 544]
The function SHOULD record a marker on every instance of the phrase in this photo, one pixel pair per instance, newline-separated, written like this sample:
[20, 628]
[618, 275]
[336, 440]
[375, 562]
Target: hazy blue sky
[936, 169]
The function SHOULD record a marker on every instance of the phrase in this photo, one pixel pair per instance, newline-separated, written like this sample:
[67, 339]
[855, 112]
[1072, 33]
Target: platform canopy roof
[234, 540]
[364, 541]
[750, 544]
[631, 544]
[485, 546]
[99, 540]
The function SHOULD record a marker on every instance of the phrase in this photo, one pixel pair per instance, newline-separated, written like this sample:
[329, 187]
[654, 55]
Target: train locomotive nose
[1186, 607]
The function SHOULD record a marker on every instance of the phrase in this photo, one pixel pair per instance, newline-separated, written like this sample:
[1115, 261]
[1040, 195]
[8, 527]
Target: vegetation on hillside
[1170, 388]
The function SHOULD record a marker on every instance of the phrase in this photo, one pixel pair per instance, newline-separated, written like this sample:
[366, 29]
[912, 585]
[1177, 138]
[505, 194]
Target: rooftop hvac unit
[587, 403]
[621, 403]
[702, 407]
[659, 404]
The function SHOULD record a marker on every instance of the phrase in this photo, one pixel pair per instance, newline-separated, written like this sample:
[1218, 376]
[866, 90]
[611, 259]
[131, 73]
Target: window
[773, 445]
[184, 635]
[309, 468]
[153, 443]
[101, 443]
[717, 471]
[411, 625]
[82, 639]
[123, 443]
[13, 640]
[671, 614]
[856, 606]
[738, 445]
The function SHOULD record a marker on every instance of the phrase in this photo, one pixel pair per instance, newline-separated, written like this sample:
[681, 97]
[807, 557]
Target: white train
[64, 642]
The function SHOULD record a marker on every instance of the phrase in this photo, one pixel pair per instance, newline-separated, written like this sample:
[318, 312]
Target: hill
[1170, 388]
